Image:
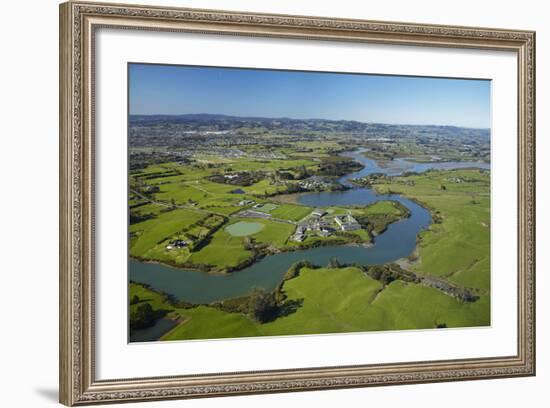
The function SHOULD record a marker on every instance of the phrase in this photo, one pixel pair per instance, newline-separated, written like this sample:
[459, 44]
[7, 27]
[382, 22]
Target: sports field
[244, 228]
[266, 208]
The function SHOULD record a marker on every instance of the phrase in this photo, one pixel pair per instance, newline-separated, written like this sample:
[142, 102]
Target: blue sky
[166, 89]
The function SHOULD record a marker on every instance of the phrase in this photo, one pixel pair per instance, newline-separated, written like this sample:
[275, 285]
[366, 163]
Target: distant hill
[218, 117]
[208, 118]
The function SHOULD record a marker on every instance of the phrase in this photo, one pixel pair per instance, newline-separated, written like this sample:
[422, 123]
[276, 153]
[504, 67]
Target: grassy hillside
[336, 300]
[457, 244]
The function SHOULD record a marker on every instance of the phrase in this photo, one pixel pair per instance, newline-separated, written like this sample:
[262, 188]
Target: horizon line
[291, 118]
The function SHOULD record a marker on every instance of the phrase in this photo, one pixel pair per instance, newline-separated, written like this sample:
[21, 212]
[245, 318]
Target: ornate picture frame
[78, 24]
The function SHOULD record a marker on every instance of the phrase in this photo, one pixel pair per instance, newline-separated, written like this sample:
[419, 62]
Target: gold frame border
[78, 20]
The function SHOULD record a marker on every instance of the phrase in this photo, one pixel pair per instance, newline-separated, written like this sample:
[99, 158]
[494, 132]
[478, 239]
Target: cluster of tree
[212, 223]
[139, 217]
[437, 218]
[284, 175]
[144, 316]
[288, 189]
[264, 306]
[245, 178]
[375, 224]
[138, 202]
[146, 189]
[260, 305]
[157, 174]
[460, 293]
[142, 159]
[337, 166]
[389, 273]
[382, 152]
[302, 173]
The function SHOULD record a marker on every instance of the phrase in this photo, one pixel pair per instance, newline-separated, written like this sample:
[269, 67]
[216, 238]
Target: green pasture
[155, 299]
[455, 247]
[262, 187]
[458, 248]
[209, 323]
[410, 306]
[338, 301]
[274, 233]
[203, 194]
[223, 250]
[263, 230]
[153, 231]
[379, 207]
[226, 210]
[150, 208]
[250, 164]
[291, 212]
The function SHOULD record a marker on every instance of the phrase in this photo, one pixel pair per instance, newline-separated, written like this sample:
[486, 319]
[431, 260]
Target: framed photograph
[256, 203]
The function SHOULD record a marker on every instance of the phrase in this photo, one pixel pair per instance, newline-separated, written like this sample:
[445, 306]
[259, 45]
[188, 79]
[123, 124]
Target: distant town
[184, 136]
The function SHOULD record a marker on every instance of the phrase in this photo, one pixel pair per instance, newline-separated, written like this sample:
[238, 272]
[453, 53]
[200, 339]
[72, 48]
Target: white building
[347, 223]
[319, 212]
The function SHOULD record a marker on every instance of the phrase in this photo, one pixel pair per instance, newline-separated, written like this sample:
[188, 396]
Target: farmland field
[264, 223]
[149, 233]
[329, 299]
[329, 303]
[457, 247]
[224, 250]
[291, 212]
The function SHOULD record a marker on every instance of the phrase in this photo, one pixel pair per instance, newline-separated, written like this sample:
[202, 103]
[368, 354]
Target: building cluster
[267, 155]
[299, 234]
[243, 203]
[321, 224]
[176, 244]
[251, 213]
[228, 153]
[455, 180]
[347, 222]
[314, 183]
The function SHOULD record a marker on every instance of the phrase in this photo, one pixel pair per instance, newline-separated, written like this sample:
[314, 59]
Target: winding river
[398, 241]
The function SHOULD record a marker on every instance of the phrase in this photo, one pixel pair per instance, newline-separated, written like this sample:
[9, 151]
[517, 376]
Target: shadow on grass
[290, 307]
[287, 308]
